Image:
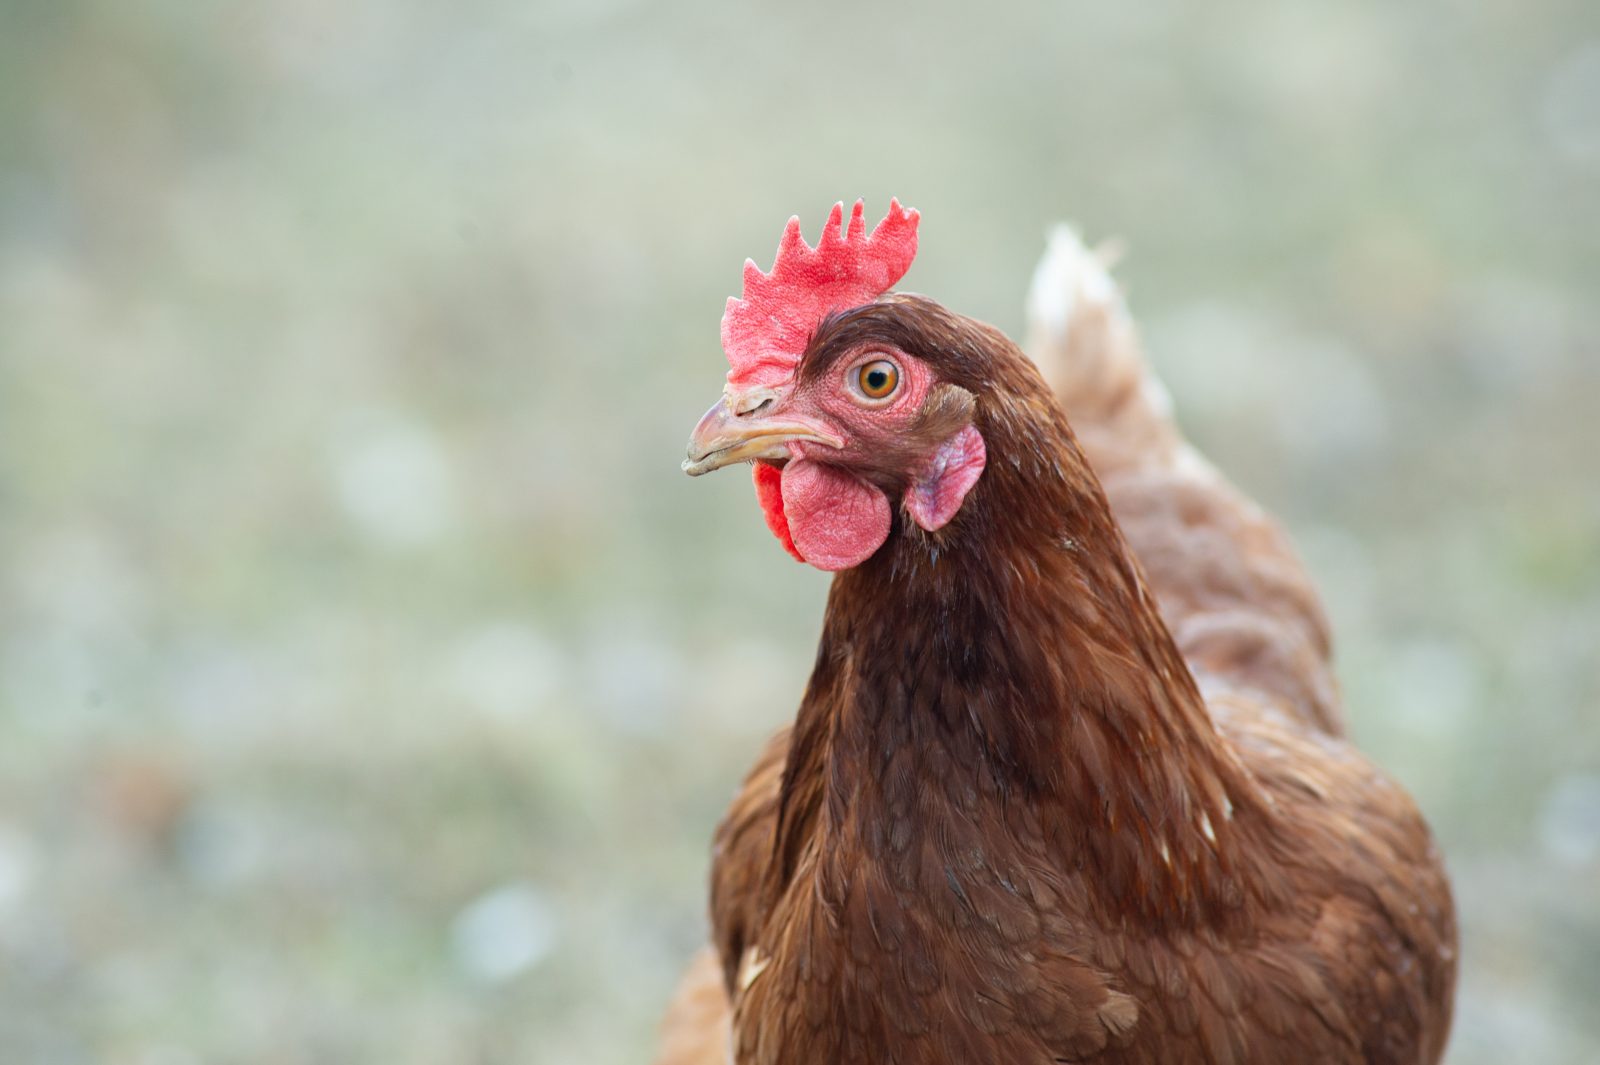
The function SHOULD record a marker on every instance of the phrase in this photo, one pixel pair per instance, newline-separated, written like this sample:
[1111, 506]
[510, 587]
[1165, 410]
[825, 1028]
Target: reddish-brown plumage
[1057, 793]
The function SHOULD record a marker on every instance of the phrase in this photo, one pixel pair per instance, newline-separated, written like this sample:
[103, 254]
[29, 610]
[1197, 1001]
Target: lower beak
[723, 438]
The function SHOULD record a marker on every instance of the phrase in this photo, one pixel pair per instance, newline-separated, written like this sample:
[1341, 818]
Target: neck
[1007, 687]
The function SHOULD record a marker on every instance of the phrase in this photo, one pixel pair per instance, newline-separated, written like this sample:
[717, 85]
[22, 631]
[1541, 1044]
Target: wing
[1383, 930]
[696, 1028]
[742, 853]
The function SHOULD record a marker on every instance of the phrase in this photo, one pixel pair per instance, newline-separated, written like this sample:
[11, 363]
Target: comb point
[833, 228]
[765, 332]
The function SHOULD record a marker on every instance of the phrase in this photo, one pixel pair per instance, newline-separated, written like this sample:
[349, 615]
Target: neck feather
[1011, 675]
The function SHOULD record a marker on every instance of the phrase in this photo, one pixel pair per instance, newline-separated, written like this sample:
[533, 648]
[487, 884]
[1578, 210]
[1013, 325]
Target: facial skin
[862, 422]
[868, 399]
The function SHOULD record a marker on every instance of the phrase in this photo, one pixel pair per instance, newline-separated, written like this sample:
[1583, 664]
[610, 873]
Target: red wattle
[835, 519]
[769, 493]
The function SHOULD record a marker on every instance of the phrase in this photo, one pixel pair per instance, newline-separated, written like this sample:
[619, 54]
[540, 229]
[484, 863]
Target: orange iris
[878, 380]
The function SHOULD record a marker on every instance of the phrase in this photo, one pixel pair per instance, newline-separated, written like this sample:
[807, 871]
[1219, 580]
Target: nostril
[753, 402]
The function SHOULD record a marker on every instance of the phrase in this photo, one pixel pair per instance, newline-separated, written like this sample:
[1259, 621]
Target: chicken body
[1069, 783]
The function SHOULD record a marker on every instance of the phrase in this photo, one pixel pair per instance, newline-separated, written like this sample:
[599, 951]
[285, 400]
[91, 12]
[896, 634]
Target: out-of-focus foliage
[370, 678]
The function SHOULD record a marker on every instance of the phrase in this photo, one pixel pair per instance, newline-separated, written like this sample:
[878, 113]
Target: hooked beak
[735, 429]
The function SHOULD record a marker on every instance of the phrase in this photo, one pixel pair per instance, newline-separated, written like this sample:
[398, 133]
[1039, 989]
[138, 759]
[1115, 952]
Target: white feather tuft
[1068, 274]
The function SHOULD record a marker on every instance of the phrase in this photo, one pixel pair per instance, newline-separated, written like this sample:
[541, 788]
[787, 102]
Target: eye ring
[876, 381]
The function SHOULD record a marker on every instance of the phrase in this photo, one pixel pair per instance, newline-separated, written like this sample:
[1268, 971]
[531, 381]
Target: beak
[724, 437]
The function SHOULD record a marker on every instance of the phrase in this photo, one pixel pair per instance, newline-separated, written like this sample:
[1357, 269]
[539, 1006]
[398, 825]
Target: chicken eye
[878, 379]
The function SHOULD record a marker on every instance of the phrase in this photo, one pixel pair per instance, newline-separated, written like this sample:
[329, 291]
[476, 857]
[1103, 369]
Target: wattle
[769, 493]
[821, 514]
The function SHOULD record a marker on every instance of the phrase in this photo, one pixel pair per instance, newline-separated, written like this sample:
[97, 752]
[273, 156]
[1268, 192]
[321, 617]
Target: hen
[1069, 781]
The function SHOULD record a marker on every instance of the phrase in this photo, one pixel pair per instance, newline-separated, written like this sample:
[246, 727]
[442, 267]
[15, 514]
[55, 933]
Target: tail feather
[1083, 340]
[1231, 590]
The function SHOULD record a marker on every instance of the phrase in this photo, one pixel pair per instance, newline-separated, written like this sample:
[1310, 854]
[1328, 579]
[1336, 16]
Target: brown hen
[1069, 781]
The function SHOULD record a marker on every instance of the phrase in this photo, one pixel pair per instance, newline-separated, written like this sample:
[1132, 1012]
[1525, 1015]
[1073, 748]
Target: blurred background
[356, 697]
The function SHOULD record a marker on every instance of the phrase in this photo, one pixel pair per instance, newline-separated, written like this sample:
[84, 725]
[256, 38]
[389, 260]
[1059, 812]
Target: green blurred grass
[369, 677]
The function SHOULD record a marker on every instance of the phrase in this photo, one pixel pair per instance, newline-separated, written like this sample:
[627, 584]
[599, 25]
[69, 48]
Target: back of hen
[1231, 590]
[1242, 610]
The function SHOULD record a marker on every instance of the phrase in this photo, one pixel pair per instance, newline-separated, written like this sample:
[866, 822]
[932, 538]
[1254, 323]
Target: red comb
[766, 332]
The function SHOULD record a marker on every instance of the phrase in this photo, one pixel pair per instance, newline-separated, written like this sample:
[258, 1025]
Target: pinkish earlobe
[936, 495]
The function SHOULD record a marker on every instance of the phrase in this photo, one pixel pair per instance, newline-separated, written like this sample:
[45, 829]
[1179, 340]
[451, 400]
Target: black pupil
[877, 380]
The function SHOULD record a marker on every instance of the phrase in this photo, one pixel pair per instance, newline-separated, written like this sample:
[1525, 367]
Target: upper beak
[724, 437]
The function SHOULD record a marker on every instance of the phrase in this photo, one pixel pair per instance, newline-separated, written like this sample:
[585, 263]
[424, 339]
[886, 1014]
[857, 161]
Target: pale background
[370, 677]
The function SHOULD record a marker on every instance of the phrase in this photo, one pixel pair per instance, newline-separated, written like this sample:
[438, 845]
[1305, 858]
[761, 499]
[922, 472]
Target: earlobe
[936, 494]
